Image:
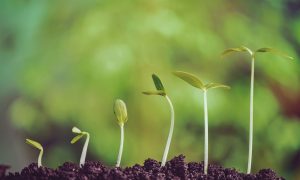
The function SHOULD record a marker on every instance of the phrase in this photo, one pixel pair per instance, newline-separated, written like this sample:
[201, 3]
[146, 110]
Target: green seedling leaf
[157, 82]
[216, 85]
[274, 51]
[34, 144]
[120, 111]
[234, 50]
[76, 130]
[161, 93]
[160, 90]
[76, 138]
[189, 78]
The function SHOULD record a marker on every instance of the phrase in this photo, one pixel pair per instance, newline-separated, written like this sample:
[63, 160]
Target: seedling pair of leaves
[253, 54]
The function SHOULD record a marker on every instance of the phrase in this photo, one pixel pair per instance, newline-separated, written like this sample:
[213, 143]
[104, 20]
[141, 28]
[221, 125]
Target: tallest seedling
[252, 54]
[160, 90]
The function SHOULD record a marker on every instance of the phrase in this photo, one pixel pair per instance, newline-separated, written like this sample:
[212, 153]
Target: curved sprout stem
[205, 133]
[164, 159]
[251, 117]
[121, 146]
[40, 158]
[84, 150]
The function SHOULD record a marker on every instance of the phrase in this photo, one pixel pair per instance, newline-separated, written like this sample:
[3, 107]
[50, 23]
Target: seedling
[160, 90]
[121, 113]
[80, 134]
[196, 82]
[252, 54]
[38, 146]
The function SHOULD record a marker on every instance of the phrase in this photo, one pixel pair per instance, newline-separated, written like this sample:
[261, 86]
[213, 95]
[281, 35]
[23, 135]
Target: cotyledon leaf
[76, 130]
[161, 93]
[216, 85]
[189, 78]
[274, 51]
[157, 82]
[76, 138]
[234, 50]
[34, 144]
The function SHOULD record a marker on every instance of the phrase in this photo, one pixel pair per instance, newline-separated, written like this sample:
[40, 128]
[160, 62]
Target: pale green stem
[205, 133]
[121, 146]
[251, 116]
[84, 150]
[164, 159]
[40, 158]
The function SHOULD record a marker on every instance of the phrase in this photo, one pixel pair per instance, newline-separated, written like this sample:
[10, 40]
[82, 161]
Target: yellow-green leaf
[274, 51]
[76, 130]
[120, 111]
[34, 144]
[189, 78]
[234, 50]
[76, 138]
[161, 93]
[216, 85]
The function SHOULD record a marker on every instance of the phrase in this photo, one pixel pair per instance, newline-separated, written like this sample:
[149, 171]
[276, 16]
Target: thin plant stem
[251, 116]
[164, 159]
[205, 133]
[40, 158]
[121, 146]
[84, 150]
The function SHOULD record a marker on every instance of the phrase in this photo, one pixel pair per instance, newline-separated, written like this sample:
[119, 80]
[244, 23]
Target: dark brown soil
[174, 169]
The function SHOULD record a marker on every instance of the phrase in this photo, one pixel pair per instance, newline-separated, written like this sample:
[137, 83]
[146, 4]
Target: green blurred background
[63, 63]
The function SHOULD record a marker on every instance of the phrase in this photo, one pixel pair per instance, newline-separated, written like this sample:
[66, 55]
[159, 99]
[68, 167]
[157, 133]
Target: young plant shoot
[120, 112]
[252, 54]
[196, 82]
[38, 146]
[80, 134]
[160, 90]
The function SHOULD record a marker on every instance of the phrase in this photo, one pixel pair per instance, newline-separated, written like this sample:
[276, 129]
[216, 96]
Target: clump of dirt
[151, 170]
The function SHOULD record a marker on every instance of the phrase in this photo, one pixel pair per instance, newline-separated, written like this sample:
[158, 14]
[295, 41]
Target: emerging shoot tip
[38, 146]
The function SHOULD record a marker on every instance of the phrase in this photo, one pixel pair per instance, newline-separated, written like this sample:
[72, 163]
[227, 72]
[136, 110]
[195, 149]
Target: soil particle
[175, 169]
[3, 169]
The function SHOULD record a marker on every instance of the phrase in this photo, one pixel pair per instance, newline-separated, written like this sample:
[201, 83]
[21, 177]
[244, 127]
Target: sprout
[253, 54]
[85, 146]
[160, 90]
[38, 146]
[196, 82]
[121, 113]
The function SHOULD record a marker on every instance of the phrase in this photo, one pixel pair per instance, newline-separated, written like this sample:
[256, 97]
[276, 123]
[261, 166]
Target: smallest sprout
[38, 146]
[85, 146]
[120, 112]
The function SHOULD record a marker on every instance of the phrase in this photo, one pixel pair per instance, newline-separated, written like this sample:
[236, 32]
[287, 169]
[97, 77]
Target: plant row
[120, 110]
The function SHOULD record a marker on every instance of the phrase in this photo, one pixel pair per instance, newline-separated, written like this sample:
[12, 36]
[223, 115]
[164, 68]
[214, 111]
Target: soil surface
[174, 169]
